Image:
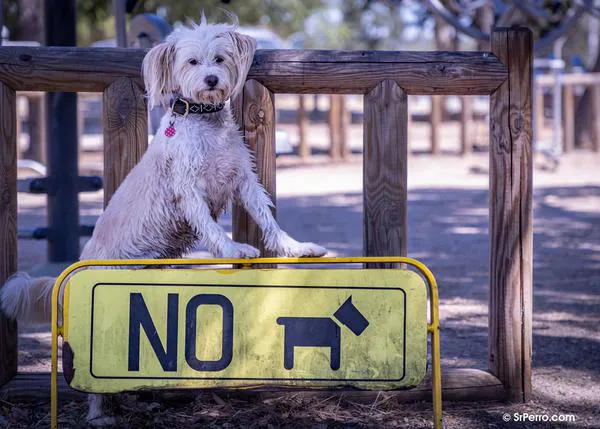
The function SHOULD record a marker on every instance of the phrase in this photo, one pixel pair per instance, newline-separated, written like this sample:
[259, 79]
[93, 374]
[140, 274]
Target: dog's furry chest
[206, 157]
[219, 177]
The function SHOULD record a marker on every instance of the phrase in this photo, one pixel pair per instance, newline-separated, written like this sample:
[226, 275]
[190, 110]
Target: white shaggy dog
[195, 165]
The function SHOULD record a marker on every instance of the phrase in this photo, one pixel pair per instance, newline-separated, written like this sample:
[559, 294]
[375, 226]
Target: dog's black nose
[211, 80]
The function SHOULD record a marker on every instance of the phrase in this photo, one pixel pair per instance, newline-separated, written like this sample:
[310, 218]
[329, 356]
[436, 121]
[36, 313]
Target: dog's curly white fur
[174, 196]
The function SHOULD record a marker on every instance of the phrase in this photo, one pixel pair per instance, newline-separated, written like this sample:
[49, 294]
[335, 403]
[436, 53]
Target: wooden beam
[568, 119]
[256, 115]
[469, 385]
[511, 227]
[384, 171]
[568, 79]
[282, 71]
[348, 72]
[125, 129]
[8, 224]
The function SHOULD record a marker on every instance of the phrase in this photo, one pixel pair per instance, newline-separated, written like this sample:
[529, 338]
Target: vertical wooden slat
[436, 122]
[568, 118]
[511, 233]
[8, 224]
[125, 127]
[385, 172]
[37, 134]
[344, 122]
[466, 125]
[595, 100]
[255, 111]
[335, 144]
[538, 109]
[302, 119]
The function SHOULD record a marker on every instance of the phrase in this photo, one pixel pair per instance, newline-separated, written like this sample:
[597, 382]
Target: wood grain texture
[568, 119]
[125, 127]
[282, 71]
[385, 172]
[442, 78]
[470, 385]
[8, 224]
[466, 125]
[302, 121]
[511, 226]
[67, 68]
[257, 119]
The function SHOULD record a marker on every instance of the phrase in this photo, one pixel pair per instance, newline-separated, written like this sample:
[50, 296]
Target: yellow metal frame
[432, 326]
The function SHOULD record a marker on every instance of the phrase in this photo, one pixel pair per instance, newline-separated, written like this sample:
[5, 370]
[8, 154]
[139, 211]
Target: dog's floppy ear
[157, 69]
[244, 49]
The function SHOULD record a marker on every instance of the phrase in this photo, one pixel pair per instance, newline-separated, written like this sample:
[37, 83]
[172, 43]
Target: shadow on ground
[448, 230]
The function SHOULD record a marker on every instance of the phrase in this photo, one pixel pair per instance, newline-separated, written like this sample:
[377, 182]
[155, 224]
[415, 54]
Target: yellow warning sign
[182, 328]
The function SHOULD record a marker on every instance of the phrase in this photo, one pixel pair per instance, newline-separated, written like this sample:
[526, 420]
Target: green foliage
[282, 16]
[356, 24]
[95, 20]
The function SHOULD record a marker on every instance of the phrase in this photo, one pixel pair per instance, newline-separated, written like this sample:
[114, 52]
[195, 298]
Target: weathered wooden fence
[568, 83]
[385, 79]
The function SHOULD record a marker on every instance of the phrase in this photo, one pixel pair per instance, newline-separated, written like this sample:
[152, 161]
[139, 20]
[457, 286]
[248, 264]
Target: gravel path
[448, 227]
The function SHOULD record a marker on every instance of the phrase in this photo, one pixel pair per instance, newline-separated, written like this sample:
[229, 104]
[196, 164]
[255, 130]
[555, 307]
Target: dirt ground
[448, 230]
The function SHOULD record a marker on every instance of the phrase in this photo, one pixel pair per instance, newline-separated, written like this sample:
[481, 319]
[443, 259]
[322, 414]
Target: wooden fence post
[302, 119]
[255, 111]
[568, 119]
[511, 226]
[466, 125]
[125, 127]
[344, 123]
[334, 117]
[435, 119]
[385, 172]
[8, 224]
[538, 110]
[37, 130]
[595, 100]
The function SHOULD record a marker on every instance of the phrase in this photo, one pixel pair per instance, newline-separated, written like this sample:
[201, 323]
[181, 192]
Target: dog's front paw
[289, 247]
[240, 250]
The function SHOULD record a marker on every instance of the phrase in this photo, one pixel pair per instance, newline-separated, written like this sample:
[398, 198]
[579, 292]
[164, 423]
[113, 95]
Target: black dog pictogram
[320, 332]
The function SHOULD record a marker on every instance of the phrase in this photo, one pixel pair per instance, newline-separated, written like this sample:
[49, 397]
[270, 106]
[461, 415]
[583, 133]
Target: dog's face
[207, 63]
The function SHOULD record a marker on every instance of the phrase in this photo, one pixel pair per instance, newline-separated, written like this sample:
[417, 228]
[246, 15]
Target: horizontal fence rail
[281, 71]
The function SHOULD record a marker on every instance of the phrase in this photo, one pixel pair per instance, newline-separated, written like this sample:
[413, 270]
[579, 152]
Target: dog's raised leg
[257, 203]
[100, 411]
[212, 235]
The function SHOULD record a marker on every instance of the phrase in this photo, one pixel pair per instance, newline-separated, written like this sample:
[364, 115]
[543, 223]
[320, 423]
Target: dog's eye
[193, 61]
[219, 60]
